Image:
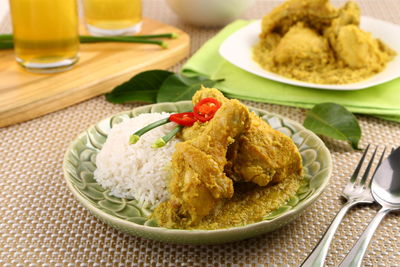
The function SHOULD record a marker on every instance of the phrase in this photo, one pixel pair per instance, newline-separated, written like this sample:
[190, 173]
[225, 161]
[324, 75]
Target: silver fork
[355, 193]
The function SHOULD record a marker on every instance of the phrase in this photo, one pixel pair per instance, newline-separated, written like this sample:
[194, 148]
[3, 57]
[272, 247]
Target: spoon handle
[355, 256]
[318, 255]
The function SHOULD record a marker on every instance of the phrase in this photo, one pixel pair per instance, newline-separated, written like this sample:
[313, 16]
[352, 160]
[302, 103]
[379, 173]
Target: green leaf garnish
[335, 121]
[158, 86]
[142, 87]
[178, 87]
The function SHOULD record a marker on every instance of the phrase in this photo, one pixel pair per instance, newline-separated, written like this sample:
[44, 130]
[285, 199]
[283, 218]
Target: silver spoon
[385, 189]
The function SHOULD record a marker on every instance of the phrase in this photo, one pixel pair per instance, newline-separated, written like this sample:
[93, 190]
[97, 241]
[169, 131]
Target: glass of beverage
[113, 17]
[46, 37]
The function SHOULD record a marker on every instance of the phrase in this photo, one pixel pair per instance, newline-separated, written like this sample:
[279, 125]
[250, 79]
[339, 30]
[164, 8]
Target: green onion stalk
[136, 136]
[6, 40]
[162, 141]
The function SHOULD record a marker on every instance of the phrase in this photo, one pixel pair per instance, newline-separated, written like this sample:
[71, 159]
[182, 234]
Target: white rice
[136, 171]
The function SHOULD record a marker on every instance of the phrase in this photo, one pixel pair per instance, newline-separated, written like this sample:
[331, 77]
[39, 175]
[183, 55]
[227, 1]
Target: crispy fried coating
[263, 155]
[302, 45]
[198, 180]
[315, 12]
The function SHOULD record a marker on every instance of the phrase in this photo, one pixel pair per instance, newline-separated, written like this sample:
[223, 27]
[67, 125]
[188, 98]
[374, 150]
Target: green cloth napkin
[382, 101]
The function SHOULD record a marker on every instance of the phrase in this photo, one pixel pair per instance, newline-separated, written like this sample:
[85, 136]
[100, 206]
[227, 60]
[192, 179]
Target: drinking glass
[46, 37]
[113, 17]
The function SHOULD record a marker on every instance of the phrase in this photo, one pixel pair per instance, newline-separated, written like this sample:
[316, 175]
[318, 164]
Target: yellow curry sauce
[251, 203]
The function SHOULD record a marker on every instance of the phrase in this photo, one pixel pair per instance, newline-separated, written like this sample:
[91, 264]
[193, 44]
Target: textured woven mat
[42, 224]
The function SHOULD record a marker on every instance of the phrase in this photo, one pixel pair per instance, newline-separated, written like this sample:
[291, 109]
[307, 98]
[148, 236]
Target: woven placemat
[41, 224]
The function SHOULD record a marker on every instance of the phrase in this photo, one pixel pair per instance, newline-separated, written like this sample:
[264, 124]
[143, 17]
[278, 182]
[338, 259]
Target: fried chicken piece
[263, 155]
[349, 14]
[188, 133]
[315, 14]
[260, 154]
[354, 47]
[358, 49]
[303, 47]
[191, 132]
[318, 13]
[208, 92]
[198, 180]
[228, 123]
[190, 198]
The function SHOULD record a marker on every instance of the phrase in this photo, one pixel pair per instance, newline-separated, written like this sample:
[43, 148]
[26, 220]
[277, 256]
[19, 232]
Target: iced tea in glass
[113, 17]
[45, 34]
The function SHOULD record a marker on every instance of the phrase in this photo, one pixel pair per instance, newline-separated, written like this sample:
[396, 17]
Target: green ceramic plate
[126, 215]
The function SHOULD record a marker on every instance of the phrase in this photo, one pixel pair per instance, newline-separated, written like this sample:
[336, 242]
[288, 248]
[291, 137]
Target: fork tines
[369, 166]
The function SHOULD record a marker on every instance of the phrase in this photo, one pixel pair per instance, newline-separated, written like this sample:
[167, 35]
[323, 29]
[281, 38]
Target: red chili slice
[206, 108]
[185, 118]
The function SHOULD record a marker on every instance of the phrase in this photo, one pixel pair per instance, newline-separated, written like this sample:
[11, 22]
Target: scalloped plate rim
[172, 232]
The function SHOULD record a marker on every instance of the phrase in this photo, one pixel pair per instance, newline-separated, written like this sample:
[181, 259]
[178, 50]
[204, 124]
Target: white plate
[237, 49]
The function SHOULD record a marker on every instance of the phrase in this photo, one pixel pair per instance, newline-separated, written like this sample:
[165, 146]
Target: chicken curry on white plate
[312, 41]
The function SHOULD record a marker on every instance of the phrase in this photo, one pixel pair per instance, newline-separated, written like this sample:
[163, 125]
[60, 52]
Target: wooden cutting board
[102, 66]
